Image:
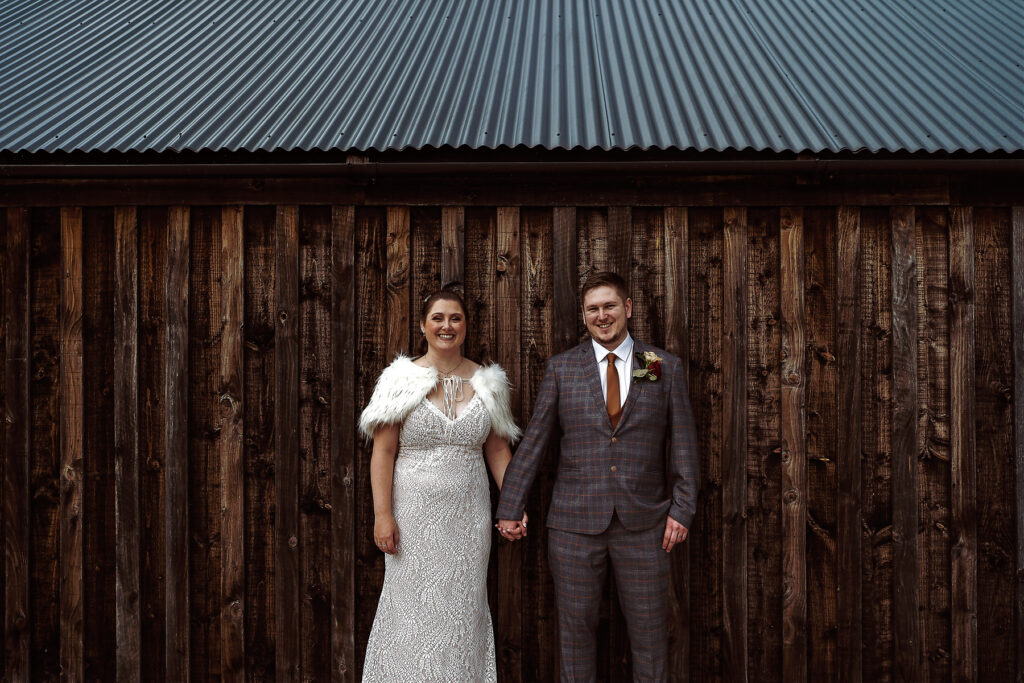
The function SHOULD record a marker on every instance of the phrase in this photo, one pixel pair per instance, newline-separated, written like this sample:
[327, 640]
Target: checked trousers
[579, 566]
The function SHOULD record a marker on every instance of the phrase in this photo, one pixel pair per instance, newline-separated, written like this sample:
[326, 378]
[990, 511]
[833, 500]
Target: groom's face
[606, 314]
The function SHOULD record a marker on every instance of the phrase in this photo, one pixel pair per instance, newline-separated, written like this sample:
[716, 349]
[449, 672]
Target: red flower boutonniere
[649, 366]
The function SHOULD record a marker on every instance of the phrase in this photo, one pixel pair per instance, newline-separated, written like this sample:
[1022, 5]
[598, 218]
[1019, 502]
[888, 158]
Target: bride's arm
[382, 473]
[498, 453]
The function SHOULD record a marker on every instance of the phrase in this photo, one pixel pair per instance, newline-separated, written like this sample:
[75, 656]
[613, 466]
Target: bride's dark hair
[449, 292]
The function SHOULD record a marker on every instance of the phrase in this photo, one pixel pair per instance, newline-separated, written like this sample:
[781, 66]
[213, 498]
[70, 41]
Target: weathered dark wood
[565, 278]
[152, 302]
[933, 492]
[371, 293]
[398, 328]
[287, 579]
[620, 231]
[763, 492]
[260, 496]
[453, 244]
[963, 477]
[71, 424]
[205, 335]
[520, 653]
[734, 446]
[343, 444]
[793, 385]
[232, 468]
[426, 262]
[849, 444]
[706, 381]
[994, 441]
[44, 441]
[99, 626]
[16, 501]
[876, 456]
[906, 602]
[314, 440]
[126, 443]
[538, 333]
[821, 415]
[647, 273]
[176, 448]
[481, 274]
[1017, 304]
[3, 405]
[592, 247]
[677, 341]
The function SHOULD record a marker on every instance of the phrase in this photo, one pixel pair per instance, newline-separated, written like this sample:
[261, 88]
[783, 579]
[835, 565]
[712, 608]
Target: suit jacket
[600, 470]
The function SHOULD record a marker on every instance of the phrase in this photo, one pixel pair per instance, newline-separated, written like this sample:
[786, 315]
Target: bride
[430, 418]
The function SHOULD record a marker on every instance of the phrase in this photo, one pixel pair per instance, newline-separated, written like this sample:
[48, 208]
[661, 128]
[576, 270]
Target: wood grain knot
[292, 541]
[791, 496]
[283, 315]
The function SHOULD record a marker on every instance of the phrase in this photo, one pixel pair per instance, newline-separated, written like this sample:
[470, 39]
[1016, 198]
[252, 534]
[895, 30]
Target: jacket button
[614, 468]
[614, 440]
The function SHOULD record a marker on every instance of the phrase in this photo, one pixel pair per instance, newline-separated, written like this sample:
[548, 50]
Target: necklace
[451, 388]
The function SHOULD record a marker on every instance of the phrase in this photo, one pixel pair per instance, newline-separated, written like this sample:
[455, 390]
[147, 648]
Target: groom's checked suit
[614, 490]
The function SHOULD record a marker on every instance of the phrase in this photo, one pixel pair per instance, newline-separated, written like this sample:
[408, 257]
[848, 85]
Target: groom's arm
[526, 462]
[684, 457]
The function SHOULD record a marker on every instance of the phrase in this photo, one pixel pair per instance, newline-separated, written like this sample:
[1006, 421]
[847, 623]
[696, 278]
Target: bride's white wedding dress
[432, 621]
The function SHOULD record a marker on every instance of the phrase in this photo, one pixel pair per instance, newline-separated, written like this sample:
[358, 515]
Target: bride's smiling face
[444, 326]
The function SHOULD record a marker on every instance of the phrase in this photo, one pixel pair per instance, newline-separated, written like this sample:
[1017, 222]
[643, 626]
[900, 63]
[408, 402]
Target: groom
[621, 412]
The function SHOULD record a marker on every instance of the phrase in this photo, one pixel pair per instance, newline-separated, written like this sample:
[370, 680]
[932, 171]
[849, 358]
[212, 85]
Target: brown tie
[614, 405]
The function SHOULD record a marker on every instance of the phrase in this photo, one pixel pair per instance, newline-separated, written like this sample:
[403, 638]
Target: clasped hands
[675, 533]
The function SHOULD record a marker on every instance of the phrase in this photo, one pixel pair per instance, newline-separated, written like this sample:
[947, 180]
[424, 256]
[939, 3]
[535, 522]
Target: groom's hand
[512, 529]
[674, 533]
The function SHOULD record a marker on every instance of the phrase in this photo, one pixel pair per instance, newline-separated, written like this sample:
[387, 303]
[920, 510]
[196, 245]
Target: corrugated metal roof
[783, 75]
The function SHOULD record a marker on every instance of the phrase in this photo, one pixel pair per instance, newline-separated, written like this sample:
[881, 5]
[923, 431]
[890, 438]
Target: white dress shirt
[623, 364]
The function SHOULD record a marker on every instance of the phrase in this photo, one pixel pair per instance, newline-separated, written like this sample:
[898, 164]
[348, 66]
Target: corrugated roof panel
[784, 75]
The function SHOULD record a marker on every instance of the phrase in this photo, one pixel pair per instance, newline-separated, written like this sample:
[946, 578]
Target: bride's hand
[385, 534]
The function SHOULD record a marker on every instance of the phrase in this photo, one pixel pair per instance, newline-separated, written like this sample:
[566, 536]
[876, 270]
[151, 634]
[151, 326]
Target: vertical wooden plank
[538, 333]
[565, 279]
[126, 443]
[16, 447]
[933, 436]
[521, 651]
[1017, 304]
[371, 291]
[286, 447]
[647, 273]
[876, 378]
[794, 451]
[734, 446]
[99, 550]
[620, 232]
[343, 444]
[314, 441]
[71, 472]
[259, 392]
[904, 443]
[763, 489]
[398, 329]
[151, 362]
[427, 261]
[176, 448]
[232, 470]
[821, 415]
[677, 331]
[963, 482]
[4, 324]
[205, 326]
[849, 606]
[44, 442]
[453, 244]
[994, 441]
[481, 274]
[706, 348]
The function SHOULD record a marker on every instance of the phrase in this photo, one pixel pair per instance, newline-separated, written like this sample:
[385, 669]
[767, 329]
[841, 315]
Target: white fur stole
[403, 384]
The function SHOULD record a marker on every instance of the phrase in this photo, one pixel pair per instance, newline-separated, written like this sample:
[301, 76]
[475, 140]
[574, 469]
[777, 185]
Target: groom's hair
[604, 278]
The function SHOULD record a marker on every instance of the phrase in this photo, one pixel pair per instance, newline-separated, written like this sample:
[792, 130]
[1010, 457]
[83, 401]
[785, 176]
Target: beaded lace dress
[432, 621]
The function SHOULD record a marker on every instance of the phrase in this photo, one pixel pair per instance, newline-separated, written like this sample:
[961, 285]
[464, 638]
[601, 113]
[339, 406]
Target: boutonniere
[650, 366]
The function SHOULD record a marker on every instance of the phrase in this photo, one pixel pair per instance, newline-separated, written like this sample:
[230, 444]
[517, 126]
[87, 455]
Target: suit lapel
[588, 359]
[634, 387]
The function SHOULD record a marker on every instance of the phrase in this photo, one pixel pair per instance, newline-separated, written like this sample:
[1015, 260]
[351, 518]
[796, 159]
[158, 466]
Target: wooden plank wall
[185, 496]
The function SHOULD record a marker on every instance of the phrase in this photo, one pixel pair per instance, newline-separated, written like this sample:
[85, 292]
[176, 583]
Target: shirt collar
[622, 350]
